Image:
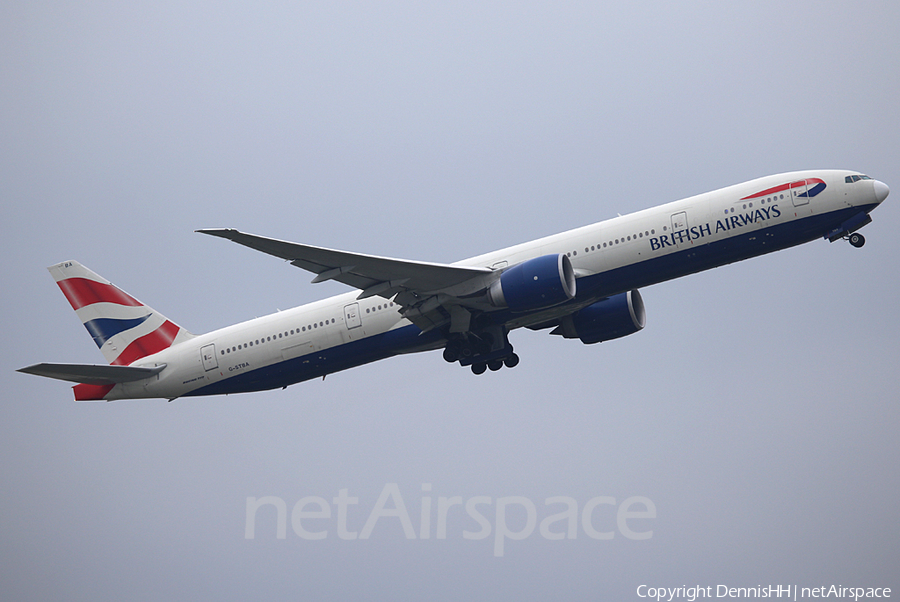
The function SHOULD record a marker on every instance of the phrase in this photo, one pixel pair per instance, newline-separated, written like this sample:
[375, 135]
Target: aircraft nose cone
[881, 190]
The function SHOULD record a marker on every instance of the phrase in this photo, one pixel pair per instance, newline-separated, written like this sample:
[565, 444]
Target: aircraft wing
[91, 374]
[372, 274]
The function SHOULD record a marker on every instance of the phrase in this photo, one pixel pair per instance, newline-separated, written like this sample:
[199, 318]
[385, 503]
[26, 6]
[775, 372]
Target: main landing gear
[857, 240]
[483, 351]
[479, 367]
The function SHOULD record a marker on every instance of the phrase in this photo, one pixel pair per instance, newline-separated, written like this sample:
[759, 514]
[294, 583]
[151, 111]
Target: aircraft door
[208, 357]
[798, 193]
[680, 235]
[351, 316]
[353, 321]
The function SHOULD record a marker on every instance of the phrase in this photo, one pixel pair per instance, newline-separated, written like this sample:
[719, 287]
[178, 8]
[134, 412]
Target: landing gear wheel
[452, 351]
[495, 365]
[857, 240]
[479, 368]
[512, 361]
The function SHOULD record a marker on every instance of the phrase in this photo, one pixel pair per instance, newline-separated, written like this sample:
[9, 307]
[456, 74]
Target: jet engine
[535, 284]
[610, 318]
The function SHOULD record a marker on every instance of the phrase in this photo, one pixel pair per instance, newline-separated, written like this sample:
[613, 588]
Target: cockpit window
[851, 179]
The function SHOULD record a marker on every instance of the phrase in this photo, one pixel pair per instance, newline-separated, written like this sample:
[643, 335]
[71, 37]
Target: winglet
[221, 232]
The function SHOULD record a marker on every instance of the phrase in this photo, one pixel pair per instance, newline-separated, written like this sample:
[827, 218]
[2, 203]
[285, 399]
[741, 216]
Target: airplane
[580, 284]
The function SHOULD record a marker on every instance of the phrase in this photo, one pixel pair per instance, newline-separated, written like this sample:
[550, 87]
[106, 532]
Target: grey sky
[758, 409]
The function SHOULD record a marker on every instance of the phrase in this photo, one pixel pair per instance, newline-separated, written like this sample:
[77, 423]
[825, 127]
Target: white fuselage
[609, 257]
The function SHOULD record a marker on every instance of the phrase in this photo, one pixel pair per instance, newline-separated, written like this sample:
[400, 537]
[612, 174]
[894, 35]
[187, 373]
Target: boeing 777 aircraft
[581, 284]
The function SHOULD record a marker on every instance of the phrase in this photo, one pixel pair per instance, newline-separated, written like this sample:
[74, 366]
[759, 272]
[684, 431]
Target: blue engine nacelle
[535, 284]
[611, 318]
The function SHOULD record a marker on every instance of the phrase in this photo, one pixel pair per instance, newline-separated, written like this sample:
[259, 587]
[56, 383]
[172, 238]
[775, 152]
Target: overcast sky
[757, 411]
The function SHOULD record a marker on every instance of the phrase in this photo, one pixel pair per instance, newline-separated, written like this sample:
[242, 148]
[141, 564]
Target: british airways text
[729, 223]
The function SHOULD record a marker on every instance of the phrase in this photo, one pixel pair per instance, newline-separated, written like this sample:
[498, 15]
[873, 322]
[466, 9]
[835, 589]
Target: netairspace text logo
[315, 518]
[790, 592]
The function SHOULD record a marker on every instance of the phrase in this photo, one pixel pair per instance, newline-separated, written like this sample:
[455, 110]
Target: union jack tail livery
[123, 328]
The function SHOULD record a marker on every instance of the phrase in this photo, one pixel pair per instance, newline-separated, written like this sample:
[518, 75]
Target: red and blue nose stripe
[813, 187]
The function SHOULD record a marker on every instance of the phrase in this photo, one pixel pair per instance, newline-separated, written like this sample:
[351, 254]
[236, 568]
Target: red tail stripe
[91, 392]
[82, 292]
[156, 341]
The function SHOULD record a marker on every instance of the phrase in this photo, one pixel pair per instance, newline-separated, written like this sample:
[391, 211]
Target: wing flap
[91, 374]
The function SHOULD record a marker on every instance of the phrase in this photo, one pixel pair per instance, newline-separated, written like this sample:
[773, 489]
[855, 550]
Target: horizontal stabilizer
[90, 374]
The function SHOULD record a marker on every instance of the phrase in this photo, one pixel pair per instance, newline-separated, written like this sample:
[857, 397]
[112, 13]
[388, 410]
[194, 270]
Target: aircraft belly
[323, 361]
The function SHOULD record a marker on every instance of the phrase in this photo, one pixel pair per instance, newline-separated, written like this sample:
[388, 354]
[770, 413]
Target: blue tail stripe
[103, 329]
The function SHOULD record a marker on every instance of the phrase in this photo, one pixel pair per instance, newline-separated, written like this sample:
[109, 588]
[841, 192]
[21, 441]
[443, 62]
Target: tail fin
[123, 328]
